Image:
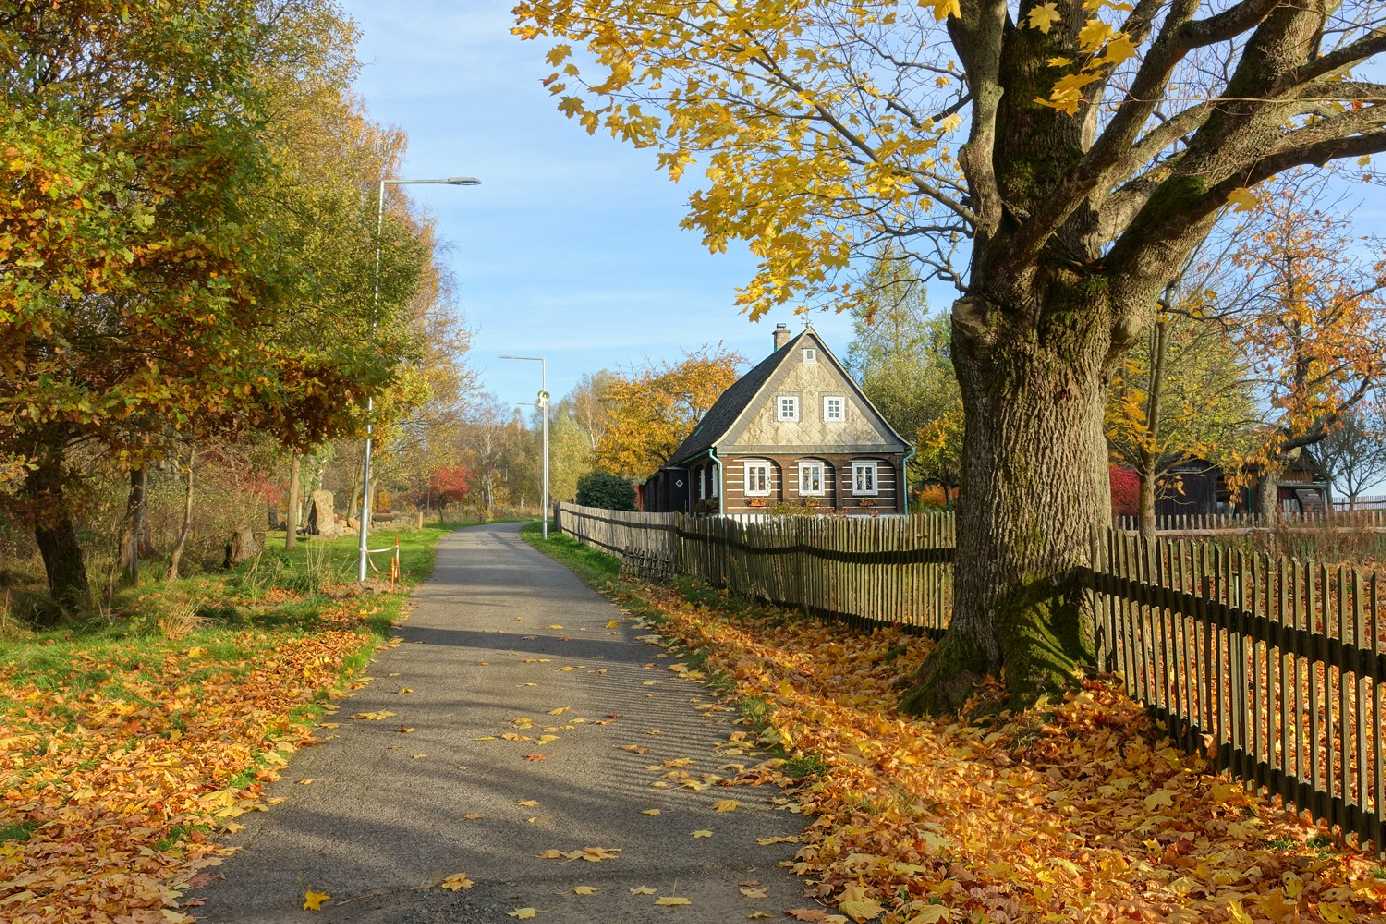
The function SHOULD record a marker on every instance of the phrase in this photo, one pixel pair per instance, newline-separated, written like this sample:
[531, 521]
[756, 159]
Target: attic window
[810, 355]
[834, 408]
[787, 407]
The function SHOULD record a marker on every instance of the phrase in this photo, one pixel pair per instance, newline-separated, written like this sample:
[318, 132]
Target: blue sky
[571, 246]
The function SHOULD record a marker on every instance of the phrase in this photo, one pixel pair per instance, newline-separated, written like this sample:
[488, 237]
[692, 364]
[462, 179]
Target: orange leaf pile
[120, 785]
[1080, 811]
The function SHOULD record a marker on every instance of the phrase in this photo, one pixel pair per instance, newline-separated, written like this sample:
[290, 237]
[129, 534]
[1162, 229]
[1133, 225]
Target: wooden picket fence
[1364, 518]
[1277, 663]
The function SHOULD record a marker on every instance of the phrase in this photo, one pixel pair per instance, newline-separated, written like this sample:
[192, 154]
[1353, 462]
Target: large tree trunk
[55, 534]
[132, 529]
[175, 557]
[295, 501]
[1034, 489]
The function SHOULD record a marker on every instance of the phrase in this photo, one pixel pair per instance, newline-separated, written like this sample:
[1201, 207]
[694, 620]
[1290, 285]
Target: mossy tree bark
[1034, 487]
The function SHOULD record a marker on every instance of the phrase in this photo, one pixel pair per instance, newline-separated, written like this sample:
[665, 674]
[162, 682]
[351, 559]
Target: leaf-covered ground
[125, 748]
[1077, 811]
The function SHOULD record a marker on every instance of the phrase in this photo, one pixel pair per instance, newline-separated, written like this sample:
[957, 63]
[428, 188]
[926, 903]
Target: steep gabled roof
[732, 403]
[728, 406]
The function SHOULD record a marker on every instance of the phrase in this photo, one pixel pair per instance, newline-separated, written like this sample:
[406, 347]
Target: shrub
[605, 490]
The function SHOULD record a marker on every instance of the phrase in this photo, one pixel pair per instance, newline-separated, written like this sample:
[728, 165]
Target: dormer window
[810, 355]
[787, 407]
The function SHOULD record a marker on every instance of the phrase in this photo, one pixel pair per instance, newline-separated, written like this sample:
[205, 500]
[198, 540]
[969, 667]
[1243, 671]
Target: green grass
[211, 611]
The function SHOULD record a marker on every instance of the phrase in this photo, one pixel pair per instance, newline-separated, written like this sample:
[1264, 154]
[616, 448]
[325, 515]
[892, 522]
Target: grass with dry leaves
[127, 744]
[1080, 810]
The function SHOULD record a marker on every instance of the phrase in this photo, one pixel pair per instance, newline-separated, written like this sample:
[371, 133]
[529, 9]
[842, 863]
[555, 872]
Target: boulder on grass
[321, 519]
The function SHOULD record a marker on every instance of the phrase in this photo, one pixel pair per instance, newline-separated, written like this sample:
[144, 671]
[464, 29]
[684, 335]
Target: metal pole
[544, 385]
[370, 404]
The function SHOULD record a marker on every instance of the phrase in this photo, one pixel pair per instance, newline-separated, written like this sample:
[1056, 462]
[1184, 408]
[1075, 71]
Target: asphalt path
[500, 636]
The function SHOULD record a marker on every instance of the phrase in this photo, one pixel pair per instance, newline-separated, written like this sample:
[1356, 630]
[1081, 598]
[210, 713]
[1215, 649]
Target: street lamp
[375, 310]
[543, 404]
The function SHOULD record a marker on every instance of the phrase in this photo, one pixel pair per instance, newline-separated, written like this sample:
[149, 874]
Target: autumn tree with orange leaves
[650, 411]
[1306, 301]
[1055, 161]
[172, 258]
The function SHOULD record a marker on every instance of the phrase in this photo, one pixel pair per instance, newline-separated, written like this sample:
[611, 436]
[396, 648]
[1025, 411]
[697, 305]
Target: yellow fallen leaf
[554, 625]
[613, 623]
[584, 890]
[560, 710]
[312, 901]
[650, 812]
[405, 691]
[457, 882]
[374, 716]
[196, 651]
[642, 890]
[673, 900]
[523, 914]
[931, 914]
[527, 803]
[861, 909]
[1158, 799]
[724, 806]
[701, 832]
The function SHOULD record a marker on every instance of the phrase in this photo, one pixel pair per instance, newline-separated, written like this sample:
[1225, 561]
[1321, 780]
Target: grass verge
[130, 742]
[1076, 810]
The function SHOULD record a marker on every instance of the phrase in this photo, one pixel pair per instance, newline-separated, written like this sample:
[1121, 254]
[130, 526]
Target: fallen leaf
[523, 914]
[642, 890]
[313, 901]
[457, 882]
[724, 806]
[534, 758]
[374, 716]
[701, 832]
[651, 812]
[673, 900]
[584, 890]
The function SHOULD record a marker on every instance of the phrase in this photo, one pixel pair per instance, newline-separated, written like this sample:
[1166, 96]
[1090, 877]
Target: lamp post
[543, 404]
[375, 310]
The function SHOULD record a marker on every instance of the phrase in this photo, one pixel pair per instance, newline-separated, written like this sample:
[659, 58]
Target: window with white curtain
[811, 479]
[864, 478]
[757, 478]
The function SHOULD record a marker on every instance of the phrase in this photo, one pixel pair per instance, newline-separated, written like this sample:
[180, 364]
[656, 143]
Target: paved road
[391, 813]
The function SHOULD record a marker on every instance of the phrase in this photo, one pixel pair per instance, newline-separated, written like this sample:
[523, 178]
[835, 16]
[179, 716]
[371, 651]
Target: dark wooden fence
[1363, 518]
[1278, 663]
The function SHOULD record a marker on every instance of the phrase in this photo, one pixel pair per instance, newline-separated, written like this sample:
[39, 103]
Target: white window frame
[810, 355]
[841, 408]
[859, 468]
[780, 408]
[756, 465]
[821, 470]
[702, 484]
[716, 480]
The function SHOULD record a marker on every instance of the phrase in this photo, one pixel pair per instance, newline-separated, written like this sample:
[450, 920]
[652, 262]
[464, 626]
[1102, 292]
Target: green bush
[605, 490]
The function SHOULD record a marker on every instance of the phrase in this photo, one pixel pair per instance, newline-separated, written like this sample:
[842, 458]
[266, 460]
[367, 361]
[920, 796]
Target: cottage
[1198, 486]
[795, 432]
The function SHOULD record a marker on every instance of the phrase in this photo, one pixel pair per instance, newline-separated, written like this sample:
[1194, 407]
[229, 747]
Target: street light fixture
[375, 310]
[543, 404]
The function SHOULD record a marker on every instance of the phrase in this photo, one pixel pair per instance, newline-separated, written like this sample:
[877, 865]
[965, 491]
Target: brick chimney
[781, 336]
